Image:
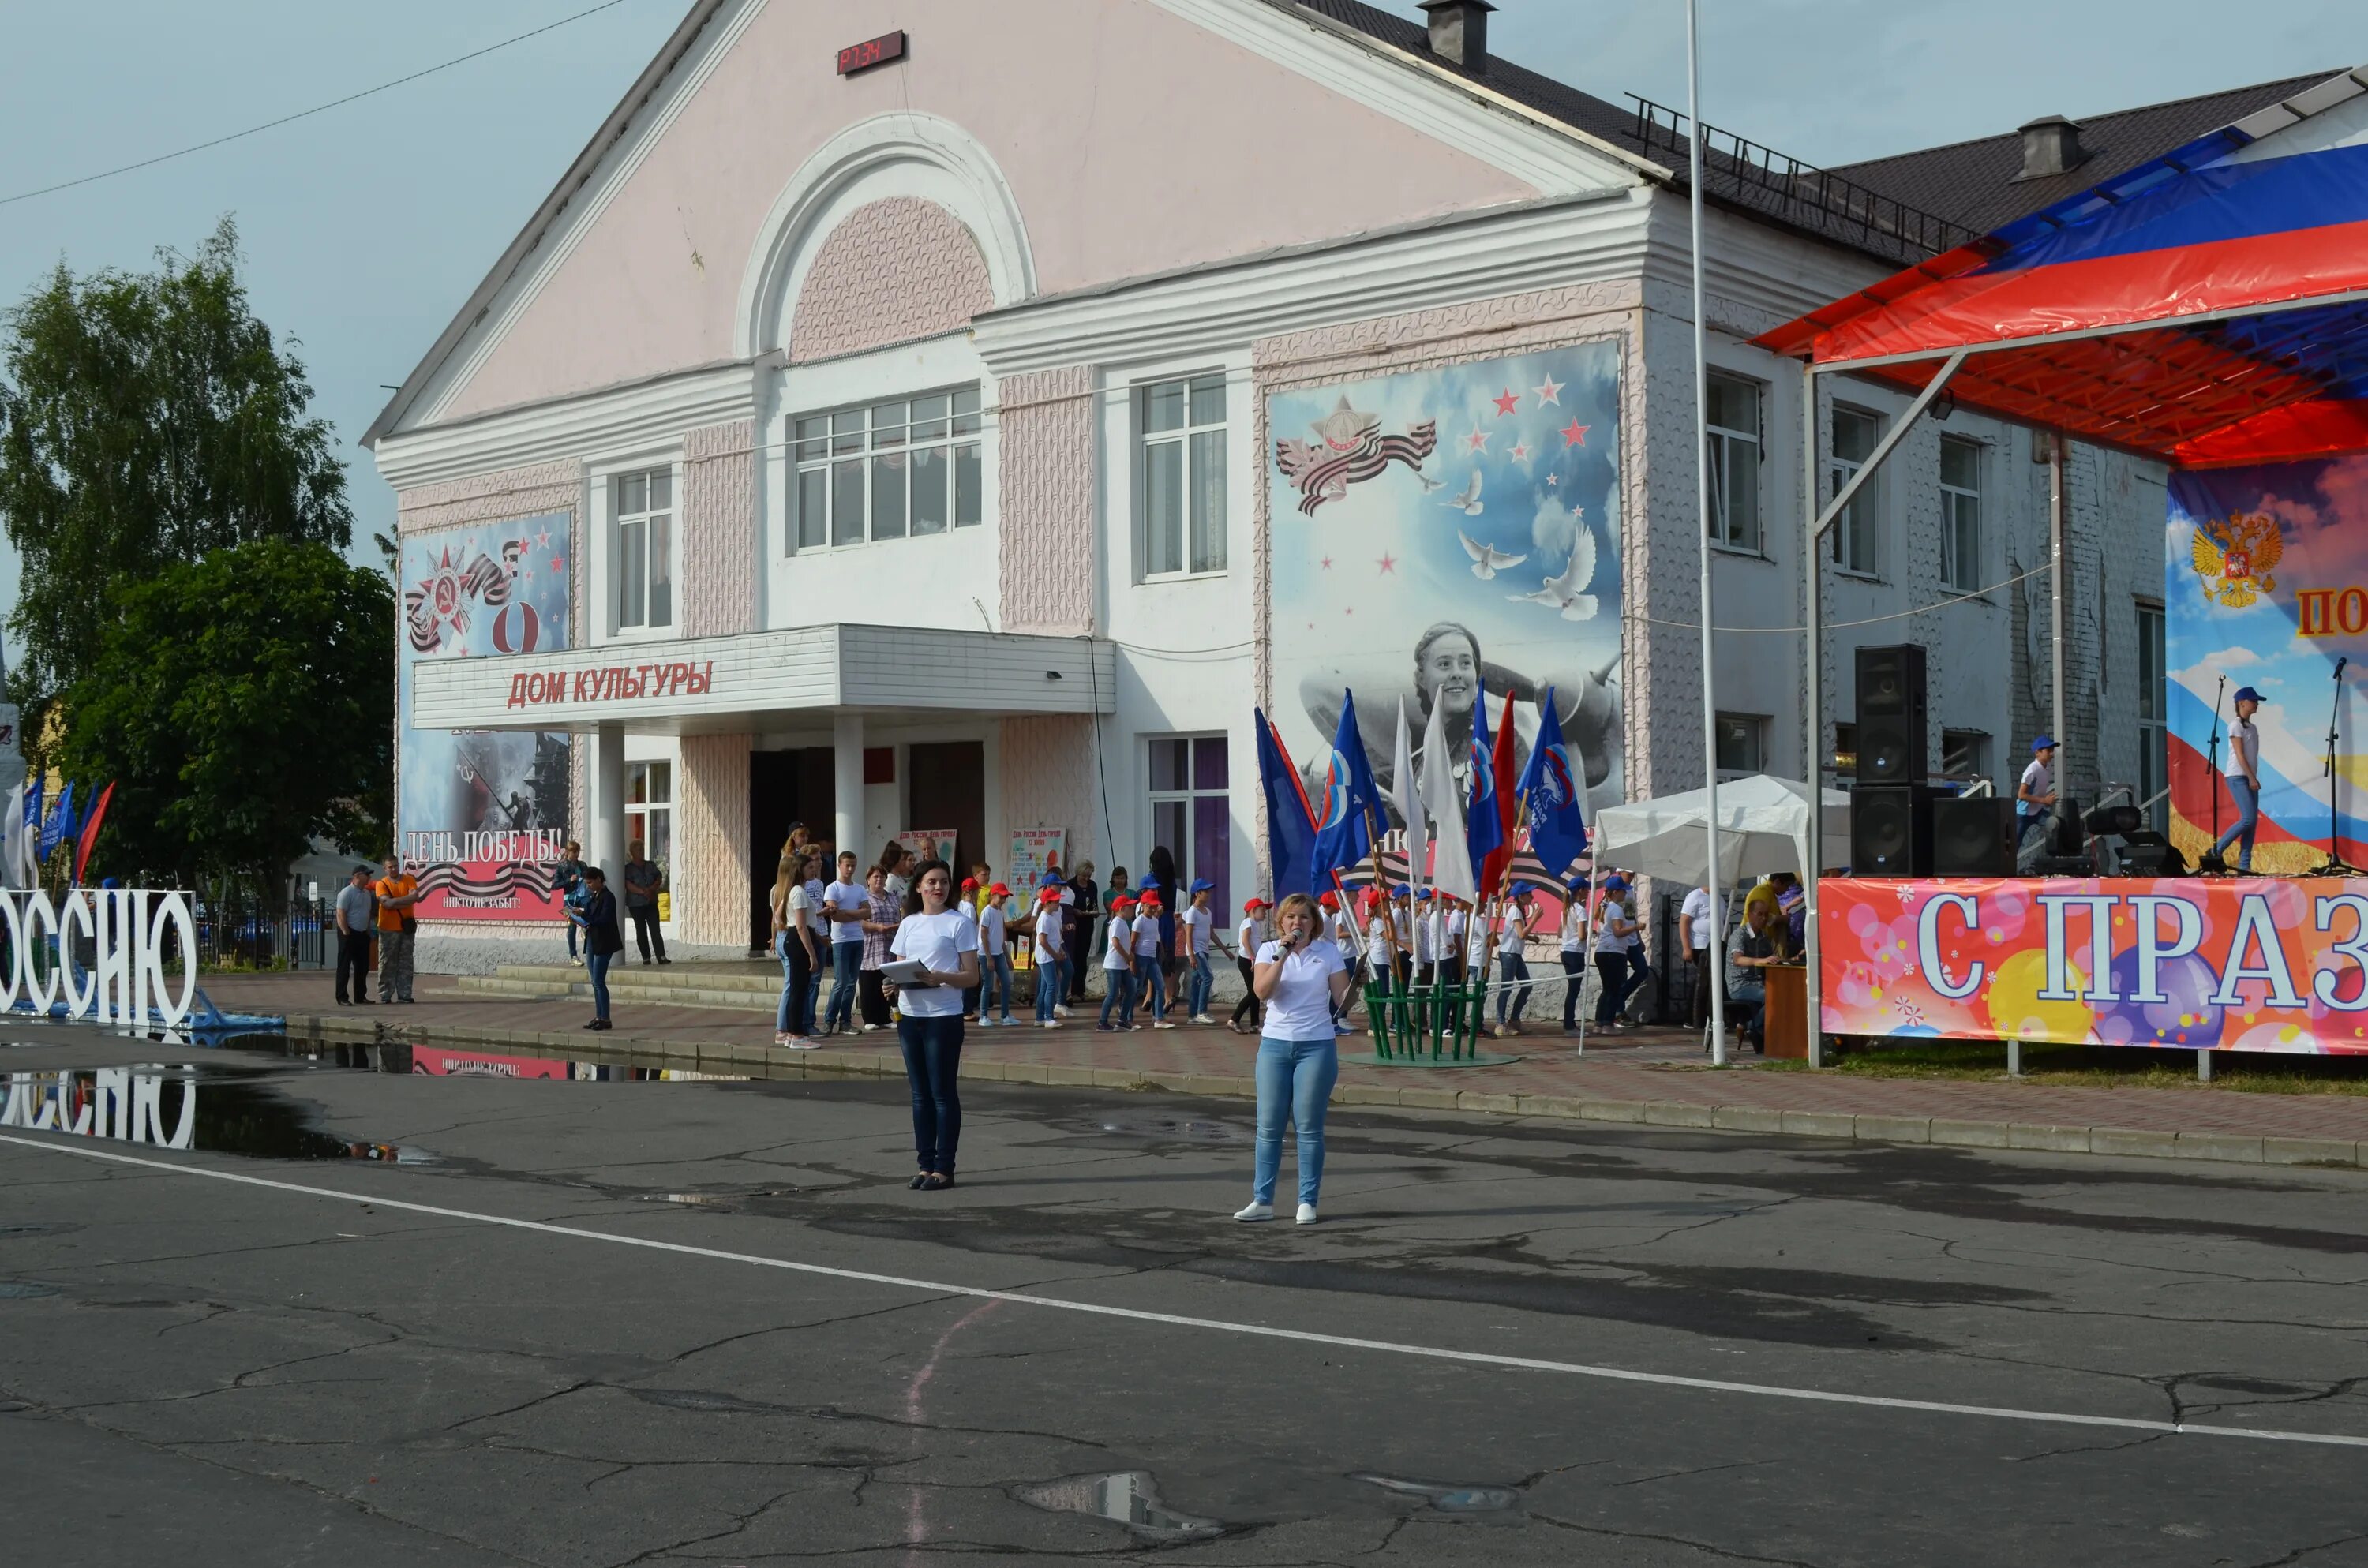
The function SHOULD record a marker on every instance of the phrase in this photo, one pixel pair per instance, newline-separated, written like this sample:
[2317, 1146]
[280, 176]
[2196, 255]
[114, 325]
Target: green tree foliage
[145, 419]
[243, 704]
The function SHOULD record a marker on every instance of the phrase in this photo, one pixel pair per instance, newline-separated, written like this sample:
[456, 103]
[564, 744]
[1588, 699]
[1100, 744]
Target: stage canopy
[2209, 308]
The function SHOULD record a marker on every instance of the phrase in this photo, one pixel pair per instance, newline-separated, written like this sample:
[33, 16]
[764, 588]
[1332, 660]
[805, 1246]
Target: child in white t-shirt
[1117, 967]
[1051, 960]
[994, 958]
[1196, 927]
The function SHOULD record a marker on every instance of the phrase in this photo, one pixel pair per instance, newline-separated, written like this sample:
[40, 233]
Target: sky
[366, 227]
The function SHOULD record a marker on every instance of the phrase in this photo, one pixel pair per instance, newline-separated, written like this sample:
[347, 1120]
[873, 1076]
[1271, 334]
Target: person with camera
[1301, 979]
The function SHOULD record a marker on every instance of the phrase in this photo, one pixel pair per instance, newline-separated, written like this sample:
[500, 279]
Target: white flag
[1408, 796]
[12, 841]
[1450, 871]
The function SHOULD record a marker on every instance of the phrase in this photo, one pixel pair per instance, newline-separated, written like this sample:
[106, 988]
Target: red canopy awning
[2208, 308]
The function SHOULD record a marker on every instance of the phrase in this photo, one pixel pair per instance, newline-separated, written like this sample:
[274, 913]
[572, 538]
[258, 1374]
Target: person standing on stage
[2244, 771]
[2035, 796]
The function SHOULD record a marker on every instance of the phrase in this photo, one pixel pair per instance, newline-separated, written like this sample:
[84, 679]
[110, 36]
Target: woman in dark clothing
[602, 940]
[1079, 937]
[1162, 868]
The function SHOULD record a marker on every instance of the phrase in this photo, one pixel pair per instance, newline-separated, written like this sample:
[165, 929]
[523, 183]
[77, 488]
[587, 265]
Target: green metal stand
[1434, 1026]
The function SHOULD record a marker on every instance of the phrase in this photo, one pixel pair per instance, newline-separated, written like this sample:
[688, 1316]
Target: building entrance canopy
[767, 680]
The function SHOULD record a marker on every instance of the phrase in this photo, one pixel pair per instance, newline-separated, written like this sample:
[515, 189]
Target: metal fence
[235, 930]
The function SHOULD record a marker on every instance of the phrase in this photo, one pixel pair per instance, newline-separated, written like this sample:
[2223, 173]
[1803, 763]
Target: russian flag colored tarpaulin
[2192, 307]
[1289, 825]
[1550, 787]
[1344, 817]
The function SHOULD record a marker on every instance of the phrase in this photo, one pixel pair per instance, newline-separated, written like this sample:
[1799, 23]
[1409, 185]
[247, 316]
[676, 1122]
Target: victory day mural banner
[1445, 530]
[2233, 964]
[483, 812]
[2267, 586]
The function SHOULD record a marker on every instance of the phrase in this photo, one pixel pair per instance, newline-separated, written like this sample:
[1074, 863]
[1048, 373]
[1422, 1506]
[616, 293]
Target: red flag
[1500, 766]
[90, 831]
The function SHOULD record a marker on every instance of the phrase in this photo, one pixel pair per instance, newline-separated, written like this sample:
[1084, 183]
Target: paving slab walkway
[1653, 1076]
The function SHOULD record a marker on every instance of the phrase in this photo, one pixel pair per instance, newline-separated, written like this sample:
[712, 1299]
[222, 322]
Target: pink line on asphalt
[916, 1526]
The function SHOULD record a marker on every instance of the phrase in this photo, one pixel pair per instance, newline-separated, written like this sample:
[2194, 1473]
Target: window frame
[866, 457]
[1863, 517]
[1188, 796]
[1717, 438]
[1142, 439]
[1980, 740]
[599, 553]
[1956, 574]
[1757, 727]
[641, 772]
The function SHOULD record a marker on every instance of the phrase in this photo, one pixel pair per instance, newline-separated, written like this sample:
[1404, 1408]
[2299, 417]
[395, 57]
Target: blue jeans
[1199, 986]
[932, 1064]
[1513, 1003]
[1118, 991]
[995, 984]
[814, 980]
[1294, 1079]
[1151, 986]
[572, 930]
[795, 1015]
[1743, 1006]
[1051, 985]
[598, 963]
[845, 958]
[2249, 821]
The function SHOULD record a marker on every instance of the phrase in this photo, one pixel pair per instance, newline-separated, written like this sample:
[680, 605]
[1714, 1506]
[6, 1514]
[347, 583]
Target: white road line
[1261, 1330]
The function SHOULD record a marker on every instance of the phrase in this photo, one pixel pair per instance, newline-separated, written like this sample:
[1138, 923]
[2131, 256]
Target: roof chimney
[2051, 145]
[1459, 31]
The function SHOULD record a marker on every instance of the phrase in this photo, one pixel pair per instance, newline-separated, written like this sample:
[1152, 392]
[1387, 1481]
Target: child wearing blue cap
[1198, 923]
[2035, 796]
[2244, 774]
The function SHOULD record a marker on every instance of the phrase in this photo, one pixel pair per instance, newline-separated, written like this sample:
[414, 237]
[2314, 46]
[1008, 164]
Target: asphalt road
[199, 1370]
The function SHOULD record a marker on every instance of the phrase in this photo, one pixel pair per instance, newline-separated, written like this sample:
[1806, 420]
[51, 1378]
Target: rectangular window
[2154, 718]
[1964, 753]
[1961, 514]
[1180, 428]
[642, 518]
[1191, 814]
[1855, 434]
[1742, 743]
[899, 470]
[649, 814]
[1734, 448]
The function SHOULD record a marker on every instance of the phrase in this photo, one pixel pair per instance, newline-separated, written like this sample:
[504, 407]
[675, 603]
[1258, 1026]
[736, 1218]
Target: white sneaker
[1255, 1211]
[1059, 1011]
[1162, 1024]
[983, 1024]
[870, 1028]
[1204, 1018]
[1051, 1025]
[798, 1042]
[1307, 1213]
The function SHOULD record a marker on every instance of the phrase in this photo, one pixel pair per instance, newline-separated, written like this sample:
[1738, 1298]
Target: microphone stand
[2334, 865]
[2209, 859]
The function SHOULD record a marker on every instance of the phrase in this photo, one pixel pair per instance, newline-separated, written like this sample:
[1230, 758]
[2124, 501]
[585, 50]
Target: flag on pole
[55, 827]
[1450, 868]
[1550, 785]
[1289, 825]
[1344, 832]
[29, 842]
[1409, 802]
[12, 835]
[1484, 832]
[89, 834]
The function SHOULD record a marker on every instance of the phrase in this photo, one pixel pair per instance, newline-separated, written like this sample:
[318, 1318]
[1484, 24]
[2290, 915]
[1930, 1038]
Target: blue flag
[1552, 786]
[1344, 817]
[1483, 828]
[58, 827]
[1290, 826]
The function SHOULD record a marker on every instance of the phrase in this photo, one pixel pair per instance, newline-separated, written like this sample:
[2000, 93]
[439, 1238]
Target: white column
[605, 814]
[846, 781]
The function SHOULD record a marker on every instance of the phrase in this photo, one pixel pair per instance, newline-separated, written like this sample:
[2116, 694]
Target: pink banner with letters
[2234, 964]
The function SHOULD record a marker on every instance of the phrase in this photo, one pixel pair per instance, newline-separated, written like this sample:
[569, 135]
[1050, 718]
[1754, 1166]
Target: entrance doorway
[784, 786]
[949, 790]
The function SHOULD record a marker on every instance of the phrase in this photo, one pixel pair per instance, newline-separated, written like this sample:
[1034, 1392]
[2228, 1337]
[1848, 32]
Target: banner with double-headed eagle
[2267, 587]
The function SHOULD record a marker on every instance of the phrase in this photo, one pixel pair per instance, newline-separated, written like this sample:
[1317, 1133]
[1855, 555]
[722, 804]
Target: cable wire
[308, 113]
[1839, 625]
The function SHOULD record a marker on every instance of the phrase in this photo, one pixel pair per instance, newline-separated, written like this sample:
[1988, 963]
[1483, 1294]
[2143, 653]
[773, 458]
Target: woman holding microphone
[1300, 978]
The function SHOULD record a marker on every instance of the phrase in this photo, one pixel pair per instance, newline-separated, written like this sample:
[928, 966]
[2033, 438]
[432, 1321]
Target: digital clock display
[872, 51]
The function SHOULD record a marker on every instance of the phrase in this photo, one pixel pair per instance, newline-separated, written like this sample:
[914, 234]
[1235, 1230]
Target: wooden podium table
[1786, 1029]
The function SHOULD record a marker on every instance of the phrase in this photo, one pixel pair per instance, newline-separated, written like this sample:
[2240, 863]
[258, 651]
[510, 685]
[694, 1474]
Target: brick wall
[719, 530]
[710, 870]
[892, 271]
[1045, 500]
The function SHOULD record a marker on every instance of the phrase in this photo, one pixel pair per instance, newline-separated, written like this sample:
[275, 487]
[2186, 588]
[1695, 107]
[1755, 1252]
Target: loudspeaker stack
[1891, 810]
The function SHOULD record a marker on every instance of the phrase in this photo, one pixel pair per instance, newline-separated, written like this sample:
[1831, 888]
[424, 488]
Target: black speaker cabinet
[1972, 836]
[1891, 830]
[1891, 734]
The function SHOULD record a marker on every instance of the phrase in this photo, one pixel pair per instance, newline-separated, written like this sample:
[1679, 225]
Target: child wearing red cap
[1117, 967]
[1052, 956]
[1151, 980]
[994, 958]
[1251, 936]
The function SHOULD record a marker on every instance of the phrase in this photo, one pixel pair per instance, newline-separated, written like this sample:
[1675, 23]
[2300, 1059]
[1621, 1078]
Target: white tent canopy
[1764, 825]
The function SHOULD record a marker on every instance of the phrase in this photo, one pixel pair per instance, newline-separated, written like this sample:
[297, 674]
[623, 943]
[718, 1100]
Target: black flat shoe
[935, 1183]
[918, 1182]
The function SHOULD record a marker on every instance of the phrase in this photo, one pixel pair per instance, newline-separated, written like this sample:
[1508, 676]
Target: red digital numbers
[872, 51]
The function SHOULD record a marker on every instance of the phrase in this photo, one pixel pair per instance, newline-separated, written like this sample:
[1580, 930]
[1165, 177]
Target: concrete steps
[730, 987]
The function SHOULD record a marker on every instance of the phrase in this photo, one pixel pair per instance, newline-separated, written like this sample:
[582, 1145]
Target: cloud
[1555, 529]
[2236, 658]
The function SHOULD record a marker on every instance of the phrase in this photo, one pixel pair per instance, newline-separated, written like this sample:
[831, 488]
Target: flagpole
[1701, 523]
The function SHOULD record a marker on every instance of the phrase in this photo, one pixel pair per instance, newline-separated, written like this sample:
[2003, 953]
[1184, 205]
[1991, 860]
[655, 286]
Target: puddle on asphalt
[205, 1106]
[402, 1058]
[24, 1289]
[1128, 1497]
[1174, 1127]
[1447, 1498]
